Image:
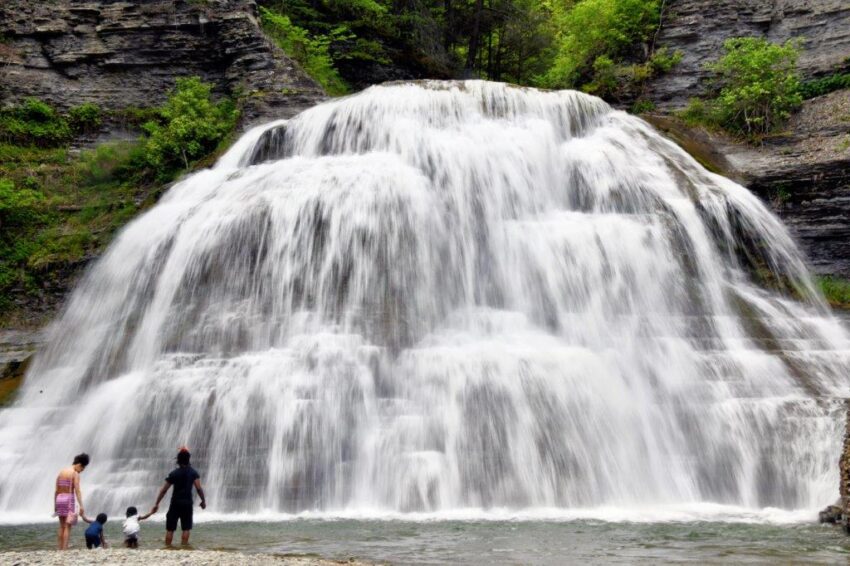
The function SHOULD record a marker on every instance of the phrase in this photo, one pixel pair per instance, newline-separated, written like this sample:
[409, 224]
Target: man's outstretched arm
[201, 494]
[162, 491]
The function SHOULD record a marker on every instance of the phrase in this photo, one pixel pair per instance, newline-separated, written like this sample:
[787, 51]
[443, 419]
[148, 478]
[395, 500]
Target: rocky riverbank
[160, 557]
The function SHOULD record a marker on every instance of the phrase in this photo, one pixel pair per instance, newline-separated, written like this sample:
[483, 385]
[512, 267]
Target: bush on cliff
[592, 31]
[34, 123]
[85, 118]
[836, 291]
[190, 126]
[310, 52]
[19, 207]
[58, 209]
[606, 48]
[758, 87]
[824, 85]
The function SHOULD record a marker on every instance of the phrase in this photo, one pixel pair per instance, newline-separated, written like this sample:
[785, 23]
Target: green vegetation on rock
[36, 123]
[310, 52]
[190, 126]
[824, 85]
[836, 291]
[605, 47]
[593, 34]
[757, 88]
[59, 207]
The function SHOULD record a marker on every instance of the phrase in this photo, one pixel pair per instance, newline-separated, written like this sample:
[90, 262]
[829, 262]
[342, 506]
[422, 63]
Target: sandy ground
[164, 557]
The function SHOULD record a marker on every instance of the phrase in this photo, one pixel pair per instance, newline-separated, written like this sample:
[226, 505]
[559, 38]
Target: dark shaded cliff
[120, 54]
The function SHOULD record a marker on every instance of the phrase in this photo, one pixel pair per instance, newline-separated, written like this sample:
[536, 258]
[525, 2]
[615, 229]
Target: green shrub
[700, 112]
[836, 291]
[84, 118]
[824, 85]
[662, 60]
[19, 207]
[115, 161]
[759, 85]
[191, 126]
[642, 106]
[591, 29]
[623, 82]
[310, 52]
[33, 123]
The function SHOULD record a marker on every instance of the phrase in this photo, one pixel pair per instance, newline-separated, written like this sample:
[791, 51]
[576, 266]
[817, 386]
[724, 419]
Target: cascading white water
[436, 296]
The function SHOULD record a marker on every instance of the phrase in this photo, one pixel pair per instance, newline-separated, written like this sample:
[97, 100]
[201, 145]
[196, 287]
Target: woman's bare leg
[61, 533]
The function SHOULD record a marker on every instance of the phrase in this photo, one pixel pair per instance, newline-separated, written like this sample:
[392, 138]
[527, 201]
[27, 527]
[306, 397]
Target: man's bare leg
[184, 537]
[169, 535]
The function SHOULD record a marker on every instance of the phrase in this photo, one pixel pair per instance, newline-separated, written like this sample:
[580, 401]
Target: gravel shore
[158, 557]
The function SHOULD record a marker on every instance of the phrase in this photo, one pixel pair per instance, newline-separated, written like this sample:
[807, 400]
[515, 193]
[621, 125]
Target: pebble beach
[158, 557]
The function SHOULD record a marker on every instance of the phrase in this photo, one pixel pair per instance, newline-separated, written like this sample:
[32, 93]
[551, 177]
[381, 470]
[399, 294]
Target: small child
[132, 528]
[94, 534]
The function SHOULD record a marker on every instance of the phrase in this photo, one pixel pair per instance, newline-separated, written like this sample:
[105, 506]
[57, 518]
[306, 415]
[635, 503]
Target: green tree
[588, 30]
[191, 125]
[759, 85]
[310, 52]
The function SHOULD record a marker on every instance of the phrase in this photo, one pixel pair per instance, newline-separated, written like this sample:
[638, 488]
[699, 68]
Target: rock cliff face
[803, 173]
[698, 29]
[118, 54]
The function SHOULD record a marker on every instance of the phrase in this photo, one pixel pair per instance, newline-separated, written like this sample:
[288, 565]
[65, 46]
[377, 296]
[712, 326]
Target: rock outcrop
[698, 28]
[120, 54]
[844, 474]
[802, 172]
[16, 351]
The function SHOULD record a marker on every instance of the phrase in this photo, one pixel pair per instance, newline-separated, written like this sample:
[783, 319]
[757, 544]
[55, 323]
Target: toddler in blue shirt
[94, 534]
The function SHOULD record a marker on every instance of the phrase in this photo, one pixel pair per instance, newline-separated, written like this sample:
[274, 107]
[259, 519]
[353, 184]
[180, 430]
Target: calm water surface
[490, 542]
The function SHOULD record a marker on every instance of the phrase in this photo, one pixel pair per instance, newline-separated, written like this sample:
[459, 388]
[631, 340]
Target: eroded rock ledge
[120, 54]
[698, 28]
[802, 172]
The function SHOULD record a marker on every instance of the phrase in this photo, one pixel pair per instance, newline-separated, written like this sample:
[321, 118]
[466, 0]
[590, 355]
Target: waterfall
[436, 296]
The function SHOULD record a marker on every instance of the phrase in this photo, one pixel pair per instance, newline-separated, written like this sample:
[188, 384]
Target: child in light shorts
[132, 528]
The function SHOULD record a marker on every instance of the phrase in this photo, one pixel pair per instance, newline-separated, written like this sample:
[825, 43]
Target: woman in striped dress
[67, 491]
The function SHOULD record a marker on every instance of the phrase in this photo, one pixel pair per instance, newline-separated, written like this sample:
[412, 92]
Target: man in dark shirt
[182, 479]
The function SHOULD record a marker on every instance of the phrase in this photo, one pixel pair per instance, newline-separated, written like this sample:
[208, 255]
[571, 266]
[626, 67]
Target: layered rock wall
[698, 28]
[803, 173]
[119, 54]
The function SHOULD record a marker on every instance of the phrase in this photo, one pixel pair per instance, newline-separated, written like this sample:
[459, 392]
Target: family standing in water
[68, 498]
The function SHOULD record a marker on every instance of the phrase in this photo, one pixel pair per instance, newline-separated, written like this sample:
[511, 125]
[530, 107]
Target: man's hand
[203, 504]
[154, 509]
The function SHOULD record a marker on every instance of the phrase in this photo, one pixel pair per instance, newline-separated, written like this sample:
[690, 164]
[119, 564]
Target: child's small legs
[92, 542]
[132, 542]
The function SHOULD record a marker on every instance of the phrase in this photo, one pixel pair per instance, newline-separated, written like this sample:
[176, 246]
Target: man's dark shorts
[182, 511]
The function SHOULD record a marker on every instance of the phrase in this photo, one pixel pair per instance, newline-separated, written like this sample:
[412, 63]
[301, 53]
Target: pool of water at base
[492, 542]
